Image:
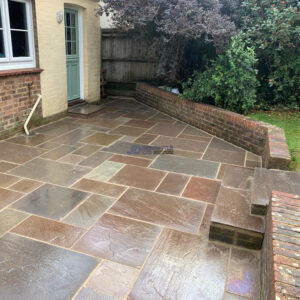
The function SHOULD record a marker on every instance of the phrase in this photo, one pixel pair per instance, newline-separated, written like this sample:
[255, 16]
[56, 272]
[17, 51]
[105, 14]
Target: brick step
[267, 180]
[232, 222]
[84, 110]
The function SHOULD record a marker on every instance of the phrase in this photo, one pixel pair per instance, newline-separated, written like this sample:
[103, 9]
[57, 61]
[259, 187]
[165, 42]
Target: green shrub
[274, 29]
[229, 82]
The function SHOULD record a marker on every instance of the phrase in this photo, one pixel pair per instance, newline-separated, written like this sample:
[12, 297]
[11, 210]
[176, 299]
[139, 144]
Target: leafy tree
[171, 24]
[230, 82]
[274, 29]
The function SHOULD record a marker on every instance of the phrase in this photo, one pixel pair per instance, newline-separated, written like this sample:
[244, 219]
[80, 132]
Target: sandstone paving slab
[183, 266]
[173, 184]
[57, 128]
[187, 166]
[95, 159]
[87, 150]
[6, 166]
[7, 180]
[165, 210]
[244, 275]
[140, 162]
[113, 279]
[26, 186]
[119, 239]
[59, 152]
[51, 201]
[167, 130]
[146, 139]
[8, 196]
[102, 139]
[49, 231]
[35, 270]
[140, 123]
[138, 177]
[105, 171]
[72, 138]
[89, 211]
[88, 294]
[202, 189]
[9, 218]
[127, 130]
[51, 171]
[98, 187]
[224, 156]
[33, 140]
[18, 154]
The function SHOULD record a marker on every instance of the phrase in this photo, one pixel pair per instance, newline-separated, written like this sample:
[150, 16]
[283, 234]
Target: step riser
[235, 236]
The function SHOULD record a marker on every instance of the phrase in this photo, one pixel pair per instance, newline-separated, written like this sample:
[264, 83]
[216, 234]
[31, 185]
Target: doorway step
[84, 110]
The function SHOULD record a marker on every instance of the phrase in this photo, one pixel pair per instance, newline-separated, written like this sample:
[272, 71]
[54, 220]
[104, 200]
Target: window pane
[73, 34]
[2, 49]
[73, 20]
[20, 43]
[74, 48]
[17, 15]
[69, 48]
[0, 17]
[68, 37]
[67, 19]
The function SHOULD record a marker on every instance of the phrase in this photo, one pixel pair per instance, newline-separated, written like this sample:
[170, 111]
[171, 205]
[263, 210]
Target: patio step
[265, 181]
[232, 222]
[84, 110]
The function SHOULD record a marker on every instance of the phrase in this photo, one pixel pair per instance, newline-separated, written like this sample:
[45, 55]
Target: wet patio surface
[94, 209]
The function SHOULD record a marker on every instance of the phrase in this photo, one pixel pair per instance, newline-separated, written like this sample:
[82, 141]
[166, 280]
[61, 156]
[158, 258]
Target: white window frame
[9, 62]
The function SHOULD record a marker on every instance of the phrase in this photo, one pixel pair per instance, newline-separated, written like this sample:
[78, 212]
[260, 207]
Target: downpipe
[31, 113]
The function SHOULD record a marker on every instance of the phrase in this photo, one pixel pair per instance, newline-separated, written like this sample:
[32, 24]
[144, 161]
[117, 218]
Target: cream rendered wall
[51, 41]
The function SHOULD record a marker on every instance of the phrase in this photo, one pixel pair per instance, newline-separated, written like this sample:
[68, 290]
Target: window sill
[17, 72]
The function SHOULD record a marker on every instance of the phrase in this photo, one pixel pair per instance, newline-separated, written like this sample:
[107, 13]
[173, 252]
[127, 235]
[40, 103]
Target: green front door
[72, 52]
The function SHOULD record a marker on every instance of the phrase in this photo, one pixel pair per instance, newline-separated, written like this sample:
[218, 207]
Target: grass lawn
[290, 122]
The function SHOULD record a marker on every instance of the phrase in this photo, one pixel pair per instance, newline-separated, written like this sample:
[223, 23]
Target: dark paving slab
[33, 140]
[188, 166]
[183, 144]
[88, 294]
[131, 149]
[205, 190]
[244, 274]
[119, 239]
[49, 231]
[51, 201]
[51, 171]
[170, 211]
[236, 177]
[113, 279]
[183, 266]
[34, 270]
[19, 154]
[173, 184]
[138, 177]
[287, 182]
[89, 211]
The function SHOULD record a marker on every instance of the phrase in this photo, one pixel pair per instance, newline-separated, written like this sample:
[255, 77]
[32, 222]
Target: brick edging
[258, 137]
[280, 253]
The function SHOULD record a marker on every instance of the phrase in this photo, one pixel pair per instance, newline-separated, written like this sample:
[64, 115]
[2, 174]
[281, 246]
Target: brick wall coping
[258, 137]
[283, 247]
[17, 72]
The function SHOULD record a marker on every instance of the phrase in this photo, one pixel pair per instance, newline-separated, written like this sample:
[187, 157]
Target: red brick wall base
[257, 137]
[280, 253]
[18, 93]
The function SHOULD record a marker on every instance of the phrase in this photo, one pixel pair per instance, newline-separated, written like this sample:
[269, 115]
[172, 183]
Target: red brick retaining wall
[281, 249]
[257, 137]
[18, 93]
